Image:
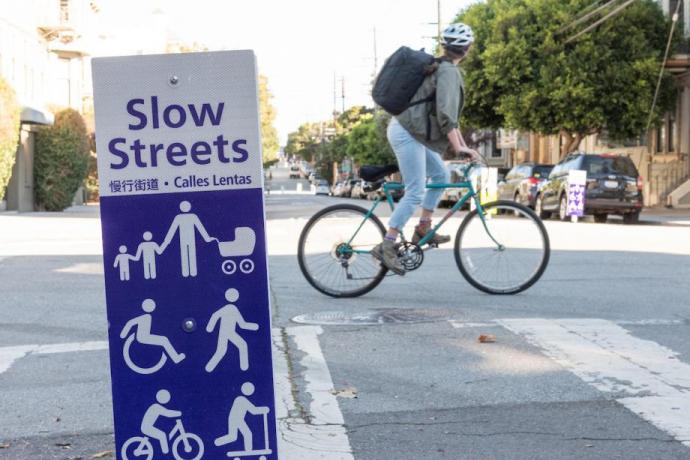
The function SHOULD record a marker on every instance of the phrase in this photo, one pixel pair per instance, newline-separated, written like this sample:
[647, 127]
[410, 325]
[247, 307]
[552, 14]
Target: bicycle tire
[529, 216]
[304, 264]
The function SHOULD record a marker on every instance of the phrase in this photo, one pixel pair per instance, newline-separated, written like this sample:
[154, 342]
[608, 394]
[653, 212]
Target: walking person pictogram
[186, 225]
[147, 252]
[241, 408]
[142, 334]
[229, 319]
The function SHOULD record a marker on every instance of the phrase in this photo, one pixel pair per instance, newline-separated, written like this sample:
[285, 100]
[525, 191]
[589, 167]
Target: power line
[584, 15]
[605, 18]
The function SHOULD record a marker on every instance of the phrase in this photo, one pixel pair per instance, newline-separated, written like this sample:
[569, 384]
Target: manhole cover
[373, 317]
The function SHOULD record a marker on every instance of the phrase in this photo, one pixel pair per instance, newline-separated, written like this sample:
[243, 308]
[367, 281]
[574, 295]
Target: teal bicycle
[501, 247]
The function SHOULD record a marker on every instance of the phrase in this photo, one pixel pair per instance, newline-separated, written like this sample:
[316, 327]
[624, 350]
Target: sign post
[577, 181]
[182, 212]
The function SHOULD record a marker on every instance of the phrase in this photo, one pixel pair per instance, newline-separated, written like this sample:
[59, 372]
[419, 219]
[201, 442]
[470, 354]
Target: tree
[521, 74]
[269, 135]
[61, 160]
[368, 143]
[9, 133]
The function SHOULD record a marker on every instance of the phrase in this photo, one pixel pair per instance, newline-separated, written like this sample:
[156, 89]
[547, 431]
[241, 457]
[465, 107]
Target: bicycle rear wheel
[334, 251]
[504, 253]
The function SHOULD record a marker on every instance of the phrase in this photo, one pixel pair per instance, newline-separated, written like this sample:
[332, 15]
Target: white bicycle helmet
[457, 36]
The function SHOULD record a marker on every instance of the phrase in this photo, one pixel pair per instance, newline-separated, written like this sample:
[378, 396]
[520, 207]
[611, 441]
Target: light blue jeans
[416, 162]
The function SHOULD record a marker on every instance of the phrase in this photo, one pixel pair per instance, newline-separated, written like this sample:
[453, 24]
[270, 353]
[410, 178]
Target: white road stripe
[8, 355]
[323, 436]
[646, 377]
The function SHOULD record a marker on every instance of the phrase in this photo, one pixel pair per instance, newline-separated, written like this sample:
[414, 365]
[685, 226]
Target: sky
[304, 47]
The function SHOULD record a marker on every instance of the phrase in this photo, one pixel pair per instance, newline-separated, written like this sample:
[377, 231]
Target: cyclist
[419, 135]
[152, 415]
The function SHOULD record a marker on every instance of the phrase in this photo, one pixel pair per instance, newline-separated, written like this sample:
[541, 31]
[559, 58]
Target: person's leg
[192, 260]
[218, 355]
[184, 259]
[242, 350]
[247, 437]
[412, 163]
[438, 174]
[162, 341]
[160, 436]
[410, 155]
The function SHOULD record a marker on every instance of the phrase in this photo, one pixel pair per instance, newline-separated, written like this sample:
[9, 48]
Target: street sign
[577, 182]
[182, 212]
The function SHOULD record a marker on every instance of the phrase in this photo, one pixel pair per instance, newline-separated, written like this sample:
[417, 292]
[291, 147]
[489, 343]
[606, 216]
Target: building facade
[44, 56]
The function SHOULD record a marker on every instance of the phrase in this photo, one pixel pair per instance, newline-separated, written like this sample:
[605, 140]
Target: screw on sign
[185, 261]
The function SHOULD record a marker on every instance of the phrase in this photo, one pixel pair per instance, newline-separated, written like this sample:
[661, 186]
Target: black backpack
[400, 78]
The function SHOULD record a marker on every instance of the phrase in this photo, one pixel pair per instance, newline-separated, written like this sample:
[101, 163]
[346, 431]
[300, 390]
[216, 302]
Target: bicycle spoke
[519, 261]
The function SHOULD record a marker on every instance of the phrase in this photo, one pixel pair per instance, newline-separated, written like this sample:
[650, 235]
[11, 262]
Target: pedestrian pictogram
[229, 320]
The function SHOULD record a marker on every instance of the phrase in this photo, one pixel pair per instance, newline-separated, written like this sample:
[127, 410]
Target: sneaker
[387, 253]
[434, 241]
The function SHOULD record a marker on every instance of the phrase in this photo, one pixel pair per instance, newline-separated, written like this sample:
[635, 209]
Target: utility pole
[376, 55]
[342, 93]
[437, 24]
[335, 99]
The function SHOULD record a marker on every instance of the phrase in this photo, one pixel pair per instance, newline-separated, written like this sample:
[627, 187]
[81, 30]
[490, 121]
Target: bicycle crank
[410, 256]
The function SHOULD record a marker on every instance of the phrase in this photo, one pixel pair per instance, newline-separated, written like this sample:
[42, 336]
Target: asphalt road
[593, 362]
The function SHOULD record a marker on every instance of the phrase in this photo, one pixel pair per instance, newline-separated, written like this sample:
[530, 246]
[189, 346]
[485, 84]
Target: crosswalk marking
[323, 436]
[642, 375]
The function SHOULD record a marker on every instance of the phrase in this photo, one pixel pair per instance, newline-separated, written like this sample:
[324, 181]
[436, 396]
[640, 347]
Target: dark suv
[613, 187]
[522, 183]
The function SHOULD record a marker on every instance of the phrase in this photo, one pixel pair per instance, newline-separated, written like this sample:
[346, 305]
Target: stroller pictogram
[242, 246]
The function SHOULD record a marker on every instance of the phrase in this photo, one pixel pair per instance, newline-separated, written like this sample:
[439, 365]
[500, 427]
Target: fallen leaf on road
[105, 453]
[487, 338]
[4, 445]
[350, 393]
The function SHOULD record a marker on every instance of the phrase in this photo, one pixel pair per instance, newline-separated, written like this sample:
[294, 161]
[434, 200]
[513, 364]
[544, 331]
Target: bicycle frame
[388, 187]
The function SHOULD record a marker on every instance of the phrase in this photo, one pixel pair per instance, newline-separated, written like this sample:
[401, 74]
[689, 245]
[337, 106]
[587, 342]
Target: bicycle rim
[506, 252]
[334, 248]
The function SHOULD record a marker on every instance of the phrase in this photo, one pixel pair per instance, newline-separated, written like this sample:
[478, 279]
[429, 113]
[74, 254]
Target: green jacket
[440, 115]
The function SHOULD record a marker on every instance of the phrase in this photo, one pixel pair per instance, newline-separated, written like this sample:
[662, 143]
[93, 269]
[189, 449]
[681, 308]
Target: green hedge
[61, 161]
[9, 133]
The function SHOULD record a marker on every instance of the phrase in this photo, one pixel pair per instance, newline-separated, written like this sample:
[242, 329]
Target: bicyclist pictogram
[138, 330]
[185, 445]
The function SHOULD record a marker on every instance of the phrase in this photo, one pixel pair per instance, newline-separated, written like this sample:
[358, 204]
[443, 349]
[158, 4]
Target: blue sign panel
[185, 257]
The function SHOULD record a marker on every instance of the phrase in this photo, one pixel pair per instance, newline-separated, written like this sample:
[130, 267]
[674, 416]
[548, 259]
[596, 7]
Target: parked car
[337, 189]
[357, 190]
[522, 182]
[322, 188]
[613, 187]
[347, 187]
[294, 172]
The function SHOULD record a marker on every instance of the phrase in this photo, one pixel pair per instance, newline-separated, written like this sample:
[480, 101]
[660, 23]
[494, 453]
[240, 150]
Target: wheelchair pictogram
[139, 329]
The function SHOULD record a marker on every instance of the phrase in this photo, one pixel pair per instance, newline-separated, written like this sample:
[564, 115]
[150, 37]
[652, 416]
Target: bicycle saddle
[372, 173]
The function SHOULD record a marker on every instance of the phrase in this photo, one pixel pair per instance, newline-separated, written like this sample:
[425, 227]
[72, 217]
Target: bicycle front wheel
[503, 250]
[334, 251]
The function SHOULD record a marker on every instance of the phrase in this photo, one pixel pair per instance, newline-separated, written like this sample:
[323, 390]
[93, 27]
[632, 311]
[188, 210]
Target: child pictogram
[122, 261]
[147, 251]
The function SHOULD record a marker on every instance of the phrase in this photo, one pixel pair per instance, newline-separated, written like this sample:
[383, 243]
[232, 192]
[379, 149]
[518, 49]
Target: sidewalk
[665, 216]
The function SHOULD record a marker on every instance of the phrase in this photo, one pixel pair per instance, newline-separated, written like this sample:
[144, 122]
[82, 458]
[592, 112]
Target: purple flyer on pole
[182, 213]
[577, 181]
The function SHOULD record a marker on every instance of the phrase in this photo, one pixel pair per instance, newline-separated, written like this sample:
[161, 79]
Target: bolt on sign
[182, 212]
